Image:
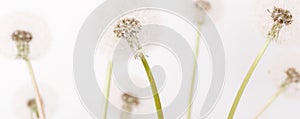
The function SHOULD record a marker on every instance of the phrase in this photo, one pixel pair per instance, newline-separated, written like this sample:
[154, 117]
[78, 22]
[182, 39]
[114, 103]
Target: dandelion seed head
[21, 35]
[286, 73]
[286, 13]
[293, 75]
[127, 28]
[31, 104]
[282, 16]
[27, 29]
[205, 5]
[129, 99]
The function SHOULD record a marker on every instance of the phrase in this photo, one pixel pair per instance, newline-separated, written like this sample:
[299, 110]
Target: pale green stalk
[38, 97]
[269, 102]
[107, 92]
[246, 80]
[197, 47]
[153, 86]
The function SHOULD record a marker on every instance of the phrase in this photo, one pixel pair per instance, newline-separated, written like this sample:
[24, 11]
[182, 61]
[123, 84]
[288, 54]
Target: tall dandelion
[281, 18]
[128, 29]
[22, 39]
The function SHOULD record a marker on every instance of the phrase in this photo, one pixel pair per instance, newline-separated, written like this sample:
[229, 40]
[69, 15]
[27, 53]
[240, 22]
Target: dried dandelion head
[18, 31]
[31, 104]
[281, 17]
[213, 8]
[22, 39]
[292, 76]
[128, 30]
[204, 4]
[129, 99]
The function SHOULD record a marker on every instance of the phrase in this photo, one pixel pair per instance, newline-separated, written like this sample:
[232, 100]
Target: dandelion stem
[153, 86]
[197, 47]
[38, 97]
[107, 92]
[270, 101]
[246, 80]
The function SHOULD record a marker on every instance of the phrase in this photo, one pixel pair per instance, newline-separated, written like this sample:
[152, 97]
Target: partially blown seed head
[129, 99]
[31, 104]
[21, 35]
[127, 28]
[293, 75]
[281, 16]
[204, 4]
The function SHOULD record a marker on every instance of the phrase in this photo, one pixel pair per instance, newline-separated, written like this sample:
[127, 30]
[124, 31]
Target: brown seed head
[130, 99]
[293, 75]
[21, 35]
[31, 104]
[282, 16]
[204, 4]
[127, 28]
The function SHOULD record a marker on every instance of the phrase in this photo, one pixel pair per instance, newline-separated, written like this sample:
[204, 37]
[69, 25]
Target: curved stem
[270, 101]
[38, 97]
[197, 47]
[108, 79]
[153, 86]
[246, 80]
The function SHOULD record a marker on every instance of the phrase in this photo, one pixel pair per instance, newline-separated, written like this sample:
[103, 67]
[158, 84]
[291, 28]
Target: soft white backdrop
[65, 18]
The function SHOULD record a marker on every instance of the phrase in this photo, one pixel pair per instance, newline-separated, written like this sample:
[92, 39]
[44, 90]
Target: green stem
[270, 101]
[107, 92]
[153, 86]
[197, 47]
[246, 80]
[38, 97]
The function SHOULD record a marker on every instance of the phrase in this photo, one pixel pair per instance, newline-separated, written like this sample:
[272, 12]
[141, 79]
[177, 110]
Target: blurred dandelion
[292, 77]
[281, 18]
[275, 71]
[211, 7]
[127, 29]
[128, 102]
[31, 104]
[24, 104]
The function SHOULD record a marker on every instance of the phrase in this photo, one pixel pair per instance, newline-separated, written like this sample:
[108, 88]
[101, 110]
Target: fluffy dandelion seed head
[23, 29]
[213, 8]
[285, 70]
[21, 35]
[293, 75]
[285, 12]
[127, 28]
[31, 104]
[129, 99]
[282, 16]
[205, 5]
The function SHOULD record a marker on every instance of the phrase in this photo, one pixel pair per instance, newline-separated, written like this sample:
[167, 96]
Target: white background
[65, 18]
